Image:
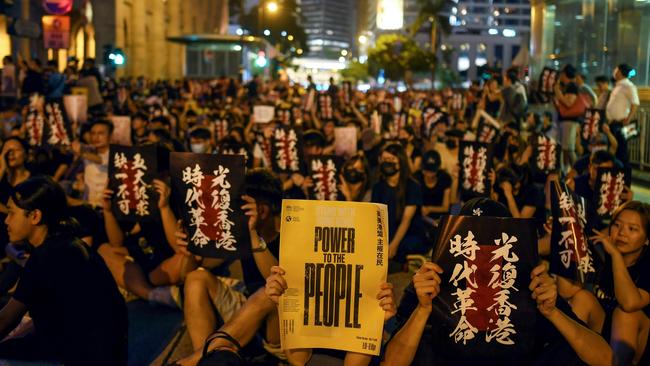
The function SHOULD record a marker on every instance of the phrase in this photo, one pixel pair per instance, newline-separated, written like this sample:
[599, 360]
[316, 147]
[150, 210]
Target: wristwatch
[262, 246]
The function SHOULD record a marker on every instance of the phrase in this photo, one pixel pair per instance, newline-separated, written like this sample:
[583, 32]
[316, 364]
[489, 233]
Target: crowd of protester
[70, 263]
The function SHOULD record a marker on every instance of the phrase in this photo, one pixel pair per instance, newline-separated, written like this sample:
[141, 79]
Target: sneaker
[166, 295]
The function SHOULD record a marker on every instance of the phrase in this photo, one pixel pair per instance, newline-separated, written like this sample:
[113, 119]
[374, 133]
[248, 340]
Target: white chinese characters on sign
[58, 134]
[572, 240]
[132, 191]
[286, 143]
[611, 188]
[546, 154]
[324, 177]
[474, 163]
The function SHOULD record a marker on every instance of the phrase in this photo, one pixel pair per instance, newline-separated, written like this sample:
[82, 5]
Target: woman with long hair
[403, 196]
[78, 314]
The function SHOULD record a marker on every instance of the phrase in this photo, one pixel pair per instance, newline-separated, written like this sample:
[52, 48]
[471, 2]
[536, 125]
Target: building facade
[330, 26]
[139, 27]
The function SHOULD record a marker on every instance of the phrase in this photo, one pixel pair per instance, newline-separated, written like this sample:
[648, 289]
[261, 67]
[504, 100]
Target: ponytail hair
[44, 194]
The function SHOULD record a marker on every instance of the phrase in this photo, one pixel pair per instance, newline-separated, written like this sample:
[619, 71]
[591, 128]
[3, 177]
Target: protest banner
[334, 255]
[591, 122]
[286, 150]
[131, 171]
[324, 172]
[484, 309]
[546, 155]
[207, 191]
[475, 163]
[610, 185]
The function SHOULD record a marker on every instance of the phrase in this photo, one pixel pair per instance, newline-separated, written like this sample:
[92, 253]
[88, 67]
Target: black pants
[26, 348]
[621, 151]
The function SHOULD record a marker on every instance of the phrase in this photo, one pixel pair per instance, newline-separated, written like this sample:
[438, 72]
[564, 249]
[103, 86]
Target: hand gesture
[306, 184]
[627, 194]
[506, 187]
[107, 196]
[427, 284]
[181, 239]
[250, 210]
[387, 300]
[544, 290]
[163, 193]
[606, 241]
[275, 284]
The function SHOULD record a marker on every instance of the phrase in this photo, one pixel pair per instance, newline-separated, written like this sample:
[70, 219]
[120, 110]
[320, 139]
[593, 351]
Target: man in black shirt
[78, 313]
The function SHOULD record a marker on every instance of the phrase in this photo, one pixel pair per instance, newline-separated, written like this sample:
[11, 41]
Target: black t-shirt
[434, 196]
[79, 315]
[604, 284]
[149, 247]
[383, 193]
[90, 222]
[252, 276]
[532, 195]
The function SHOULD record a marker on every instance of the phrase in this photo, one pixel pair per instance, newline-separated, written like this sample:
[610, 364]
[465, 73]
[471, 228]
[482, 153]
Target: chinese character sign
[547, 80]
[207, 190]
[484, 308]
[286, 147]
[570, 253]
[475, 164]
[131, 171]
[325, 108]
[432, 117]
[324, 172]
[591, 123]
[334, 257]
[610, 184]
[546, 155]
[221, 126]
[35, 127]
[487, 132]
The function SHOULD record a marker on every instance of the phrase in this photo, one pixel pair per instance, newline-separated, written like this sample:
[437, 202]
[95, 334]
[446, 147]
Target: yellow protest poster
[335, 258]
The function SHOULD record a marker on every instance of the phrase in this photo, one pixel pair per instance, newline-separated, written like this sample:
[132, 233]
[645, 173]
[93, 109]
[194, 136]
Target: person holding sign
[403, 196]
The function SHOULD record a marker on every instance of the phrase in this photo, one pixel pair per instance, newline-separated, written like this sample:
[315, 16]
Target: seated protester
[262, 145]
[78, 314]
[13, 168]
[414, 343]
[623, 284]
[205, 293]
[139, 126]
[523, 199]
[449, 152]
[508, 143]
[143, 257]
[403, 196]
[603, 141]
[158, 122]
[328, 129]
[355, 179]
[585, 184]
[412, 148]
[161, 136]
[298, 184]
[95, 161]
[549, 128]
[200, 141]
[276, 285]
[436, 186]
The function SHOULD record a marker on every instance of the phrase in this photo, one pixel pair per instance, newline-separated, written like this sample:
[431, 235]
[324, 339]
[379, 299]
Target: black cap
[482, 206]
[313, 138]
[454, 132]
[431, 161]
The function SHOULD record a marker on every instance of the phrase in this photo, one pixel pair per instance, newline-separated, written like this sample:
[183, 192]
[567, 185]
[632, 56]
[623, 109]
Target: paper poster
[484, 309]
[546, 155]
[308, 100]
[131, 171]
[76, 107]
[324, 172]
[122, 130]
[334, 257]
[475, 163]
[325, 107]
[610, 184]
[630, 131]
[591, 123]
[570, 254]
[547, 80]
[207, 191]
[286, 147]
[263, 113]
[345, 141]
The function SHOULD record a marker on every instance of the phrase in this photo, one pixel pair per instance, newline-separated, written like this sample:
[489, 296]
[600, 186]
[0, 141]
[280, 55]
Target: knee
[196, 282]
[627, 320]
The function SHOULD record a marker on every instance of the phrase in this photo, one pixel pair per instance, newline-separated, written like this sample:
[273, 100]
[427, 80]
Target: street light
[272, 6]
[344, 52]
[290, 37]
[363, 39]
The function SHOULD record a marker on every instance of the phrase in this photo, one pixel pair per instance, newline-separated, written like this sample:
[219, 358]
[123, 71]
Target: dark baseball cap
[431, 161]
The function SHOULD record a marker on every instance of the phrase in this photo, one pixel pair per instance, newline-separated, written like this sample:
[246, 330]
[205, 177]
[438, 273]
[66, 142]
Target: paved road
[641, 193]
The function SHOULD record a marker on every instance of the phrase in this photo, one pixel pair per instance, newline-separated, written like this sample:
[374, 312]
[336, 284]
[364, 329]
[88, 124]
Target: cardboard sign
[56, 31]
[334, 257]
[122, 130]
[591, 123]
[131, 171]
[475, 163]
[324, 172]
[207, 190]
[570, 253]
[76, 107]
[345, 141]
[546, 155]
[286, 150]
[263, 113]
[484, 309]
[610, 184]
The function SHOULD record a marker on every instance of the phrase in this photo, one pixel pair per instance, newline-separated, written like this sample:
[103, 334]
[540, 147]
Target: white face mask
[198, 148]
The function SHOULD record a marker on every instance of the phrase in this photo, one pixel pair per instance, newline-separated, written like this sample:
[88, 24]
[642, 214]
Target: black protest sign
[610, 185]
[570, 254]
[484, 309]
[400, 120]
[231, 146]
[324, 172]
[286, 150]
[431, 118]
[221, 127]
[487, 131]
[207, 190]
[346, 92]
[547, 80]
[591, 123]
[131, 171]
[58, 130]
[325, 107]
[546, 155]
[35, 127]
[475, 163]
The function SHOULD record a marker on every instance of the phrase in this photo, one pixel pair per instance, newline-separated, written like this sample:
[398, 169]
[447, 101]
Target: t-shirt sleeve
[444, 180]
[413, 194]
[533, 197]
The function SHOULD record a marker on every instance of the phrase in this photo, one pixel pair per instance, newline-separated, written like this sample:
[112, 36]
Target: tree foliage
[356, 71]
[397, 53]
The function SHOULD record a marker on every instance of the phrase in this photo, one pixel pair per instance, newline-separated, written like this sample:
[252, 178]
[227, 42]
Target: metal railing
[639, 148]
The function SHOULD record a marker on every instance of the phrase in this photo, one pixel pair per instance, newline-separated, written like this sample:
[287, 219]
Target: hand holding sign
[544, 290]
[427, 284]
[276, 285]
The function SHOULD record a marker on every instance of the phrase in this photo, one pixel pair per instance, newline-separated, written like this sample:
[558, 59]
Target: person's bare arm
[113, 231]
[10, 316]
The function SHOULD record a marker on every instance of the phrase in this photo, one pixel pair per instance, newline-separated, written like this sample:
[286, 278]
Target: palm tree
[431, 12]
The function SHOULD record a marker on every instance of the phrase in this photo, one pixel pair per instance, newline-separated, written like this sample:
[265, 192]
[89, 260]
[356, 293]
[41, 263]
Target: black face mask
[353, 176]
[388, 169]
[451, 144]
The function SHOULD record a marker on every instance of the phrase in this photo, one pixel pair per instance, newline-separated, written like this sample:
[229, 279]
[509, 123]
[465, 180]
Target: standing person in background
[603, 91]
[55, 83]
[89, 81]
[566, 95]
[621, 108]
[33, 82]
[9, 88]
[515, 102]
[585, 89]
